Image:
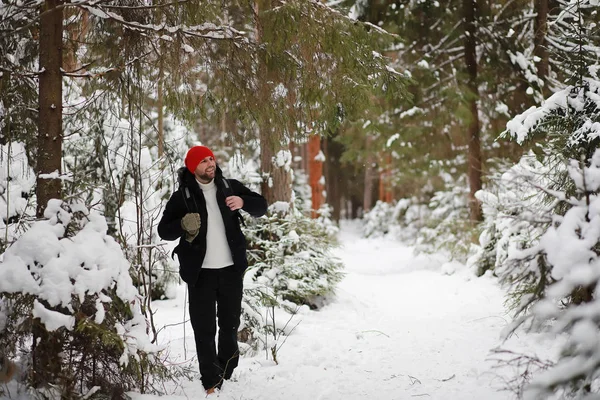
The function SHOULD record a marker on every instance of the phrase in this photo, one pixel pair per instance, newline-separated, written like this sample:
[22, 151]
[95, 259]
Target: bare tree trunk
[369, 178]
[46, 345]
[474, 156]
[277, 176]
[50, 104]
[334, 176]
[277, 179]
[540, 48]
[385, 187]
[315, 173]
[355, 206]
[304, 155]
[369, 185]
[46, 349]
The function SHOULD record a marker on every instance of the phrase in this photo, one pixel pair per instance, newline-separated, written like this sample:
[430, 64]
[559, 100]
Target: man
[204, 215]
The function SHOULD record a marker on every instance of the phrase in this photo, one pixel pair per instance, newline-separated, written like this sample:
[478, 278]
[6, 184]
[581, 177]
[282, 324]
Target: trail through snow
[398, 328]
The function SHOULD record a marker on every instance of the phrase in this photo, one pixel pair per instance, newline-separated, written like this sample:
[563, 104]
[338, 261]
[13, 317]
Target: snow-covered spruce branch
[434, 49]
[105, 71]
[21, 74]
[336, 14]
[554, 282]
[290, 266]
[146, 7]
[34, 19]
[205, 31]
[100, 10]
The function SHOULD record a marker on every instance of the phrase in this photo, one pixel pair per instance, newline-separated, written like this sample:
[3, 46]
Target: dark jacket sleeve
[254, 203]
[169, 227]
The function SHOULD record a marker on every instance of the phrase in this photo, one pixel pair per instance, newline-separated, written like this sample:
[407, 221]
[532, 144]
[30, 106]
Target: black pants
[221, 288]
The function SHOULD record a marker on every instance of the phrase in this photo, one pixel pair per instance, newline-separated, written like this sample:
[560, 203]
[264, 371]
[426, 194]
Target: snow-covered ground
[400, 327]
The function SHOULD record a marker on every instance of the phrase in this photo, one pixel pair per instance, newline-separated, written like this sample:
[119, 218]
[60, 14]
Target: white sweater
[218, 253]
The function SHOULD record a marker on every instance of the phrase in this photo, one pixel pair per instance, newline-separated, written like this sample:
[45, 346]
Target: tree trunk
[385, 186]
[472, 95]
[334, 176]
[355, 207]
[369, 185]
[315, 173]
[304, 155]
[49, 158]
[276, 170]
[275, 166]
[46, 345]
[540, 48]
[370, 173]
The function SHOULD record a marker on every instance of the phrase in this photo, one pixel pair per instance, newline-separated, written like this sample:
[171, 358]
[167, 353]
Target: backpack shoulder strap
[185, 193]
[228, 191]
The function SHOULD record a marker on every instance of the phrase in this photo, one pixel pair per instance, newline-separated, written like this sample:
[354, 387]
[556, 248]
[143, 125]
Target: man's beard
[206, 177]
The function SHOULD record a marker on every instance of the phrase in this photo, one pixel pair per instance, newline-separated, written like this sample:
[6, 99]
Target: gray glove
[191, 225]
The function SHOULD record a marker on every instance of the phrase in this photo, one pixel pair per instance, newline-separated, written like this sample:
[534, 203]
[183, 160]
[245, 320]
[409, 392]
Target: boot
[210, 391]
[7, 369]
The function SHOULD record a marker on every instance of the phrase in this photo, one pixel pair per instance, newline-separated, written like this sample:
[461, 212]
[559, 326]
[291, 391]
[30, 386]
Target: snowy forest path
[399, 327]
[404, 329]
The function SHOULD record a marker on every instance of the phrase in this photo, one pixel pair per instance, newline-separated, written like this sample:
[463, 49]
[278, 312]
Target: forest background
[463, 126]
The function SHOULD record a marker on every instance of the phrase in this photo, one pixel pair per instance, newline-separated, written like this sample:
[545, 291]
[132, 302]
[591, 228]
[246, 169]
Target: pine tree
[543, 241]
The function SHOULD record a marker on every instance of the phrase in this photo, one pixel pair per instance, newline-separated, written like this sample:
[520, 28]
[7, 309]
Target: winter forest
[431, 171]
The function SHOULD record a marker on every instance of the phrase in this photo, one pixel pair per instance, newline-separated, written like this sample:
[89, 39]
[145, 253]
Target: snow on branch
[206, 30]
[570, 245]
[17, 180]
[66, 258]
[571, 101]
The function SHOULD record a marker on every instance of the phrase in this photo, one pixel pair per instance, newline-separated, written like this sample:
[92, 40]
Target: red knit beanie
[195, 155]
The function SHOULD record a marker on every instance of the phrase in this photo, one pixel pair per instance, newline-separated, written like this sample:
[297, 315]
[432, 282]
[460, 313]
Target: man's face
[205, 171]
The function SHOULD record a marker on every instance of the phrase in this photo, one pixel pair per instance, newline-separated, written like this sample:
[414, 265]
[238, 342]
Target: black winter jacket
[189, 199]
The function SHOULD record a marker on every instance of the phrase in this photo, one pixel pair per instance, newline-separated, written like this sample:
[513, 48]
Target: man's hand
[234, 202]
[191, 225]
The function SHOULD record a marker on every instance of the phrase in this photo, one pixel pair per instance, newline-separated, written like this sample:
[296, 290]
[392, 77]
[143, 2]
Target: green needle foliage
[282, 64]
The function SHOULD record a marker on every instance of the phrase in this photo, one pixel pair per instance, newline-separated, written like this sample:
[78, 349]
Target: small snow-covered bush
[400, 219]
[291, 253]
[433, 223]
[447, 226]
[516, 214]
[67, 302]
[302, 191]
[378, 221]
[290, 265]
[324, 220]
